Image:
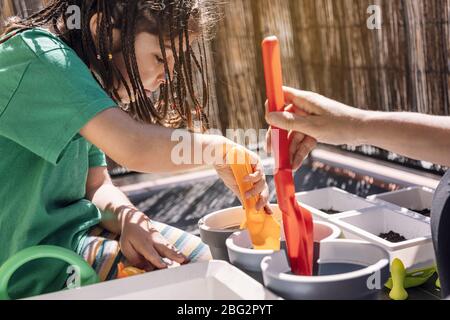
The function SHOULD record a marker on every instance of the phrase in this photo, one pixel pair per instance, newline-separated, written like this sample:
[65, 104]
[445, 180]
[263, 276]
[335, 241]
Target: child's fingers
[254, 177]
[167, 250]
[151, 255]
[239, 196]
[148, 267]
[133, 257]
[258, 187]
[257, 165]
[268, 210]
[263, 199]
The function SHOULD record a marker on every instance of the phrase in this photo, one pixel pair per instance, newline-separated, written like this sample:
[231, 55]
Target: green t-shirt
[47, 94]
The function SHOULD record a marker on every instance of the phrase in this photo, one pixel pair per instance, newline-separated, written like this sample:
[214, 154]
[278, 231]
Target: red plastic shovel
[298, 222]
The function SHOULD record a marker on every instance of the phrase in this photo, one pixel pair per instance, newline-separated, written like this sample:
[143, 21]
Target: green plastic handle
[415, 278]
[87, 275]
[398, 273]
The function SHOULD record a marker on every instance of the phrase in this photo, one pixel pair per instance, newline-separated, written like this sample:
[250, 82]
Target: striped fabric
[101, 248]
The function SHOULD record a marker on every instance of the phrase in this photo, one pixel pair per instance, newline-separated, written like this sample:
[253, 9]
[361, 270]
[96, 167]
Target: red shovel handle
[273, 74]
[275, 96]
[297, 222]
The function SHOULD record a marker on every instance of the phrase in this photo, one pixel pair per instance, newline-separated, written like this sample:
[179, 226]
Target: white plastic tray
[413, 198]
[367, 224]
[331, 198]
[213, 280]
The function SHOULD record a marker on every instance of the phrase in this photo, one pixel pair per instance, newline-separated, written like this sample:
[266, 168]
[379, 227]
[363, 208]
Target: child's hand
[143, 246]
[258, 179]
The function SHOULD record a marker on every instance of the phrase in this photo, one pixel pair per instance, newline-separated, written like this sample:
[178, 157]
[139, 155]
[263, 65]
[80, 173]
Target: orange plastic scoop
[298, 224]
[125, 272]
[263, 228]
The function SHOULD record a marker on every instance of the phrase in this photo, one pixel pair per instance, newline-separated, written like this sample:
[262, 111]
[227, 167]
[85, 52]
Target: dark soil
[424, 212]
[330, 211]
[392, 236]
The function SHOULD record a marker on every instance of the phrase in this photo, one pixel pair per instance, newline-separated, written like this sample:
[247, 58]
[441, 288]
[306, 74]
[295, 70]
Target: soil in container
[424, 212]
[392, 236]
[330, 211]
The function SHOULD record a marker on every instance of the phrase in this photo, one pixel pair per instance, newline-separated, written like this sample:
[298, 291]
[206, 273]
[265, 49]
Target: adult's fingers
[293, 109]
[295, 139]
[268, 144]
[305, 147]
[289, 121]
[303, 100]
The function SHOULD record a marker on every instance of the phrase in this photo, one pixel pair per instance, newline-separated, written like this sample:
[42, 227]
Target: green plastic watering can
[88, 275]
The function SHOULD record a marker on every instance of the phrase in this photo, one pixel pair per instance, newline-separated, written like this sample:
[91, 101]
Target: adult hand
[325, 120]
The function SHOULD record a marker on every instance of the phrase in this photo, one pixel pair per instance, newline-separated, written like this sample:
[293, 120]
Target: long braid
[177, 57]
[188, 74]
[205, 85]
[128, 39]
[169, 93]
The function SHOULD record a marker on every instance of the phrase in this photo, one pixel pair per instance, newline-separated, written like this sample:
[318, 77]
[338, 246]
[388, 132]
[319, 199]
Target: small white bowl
[216, 227]
[249, 260]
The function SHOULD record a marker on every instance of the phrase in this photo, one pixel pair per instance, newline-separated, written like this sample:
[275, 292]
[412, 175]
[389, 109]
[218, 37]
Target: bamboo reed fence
[328, 48]
[18, 7]
[6, 10]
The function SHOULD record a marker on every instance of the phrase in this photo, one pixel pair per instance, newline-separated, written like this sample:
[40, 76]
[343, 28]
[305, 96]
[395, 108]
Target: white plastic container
[216, 227]
[213, 280]
[413, 198]
[249, 260]
[367, 224]
[321, 200]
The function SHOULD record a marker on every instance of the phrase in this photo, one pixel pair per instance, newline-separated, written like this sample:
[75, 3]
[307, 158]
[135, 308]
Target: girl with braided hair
[118, 82]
